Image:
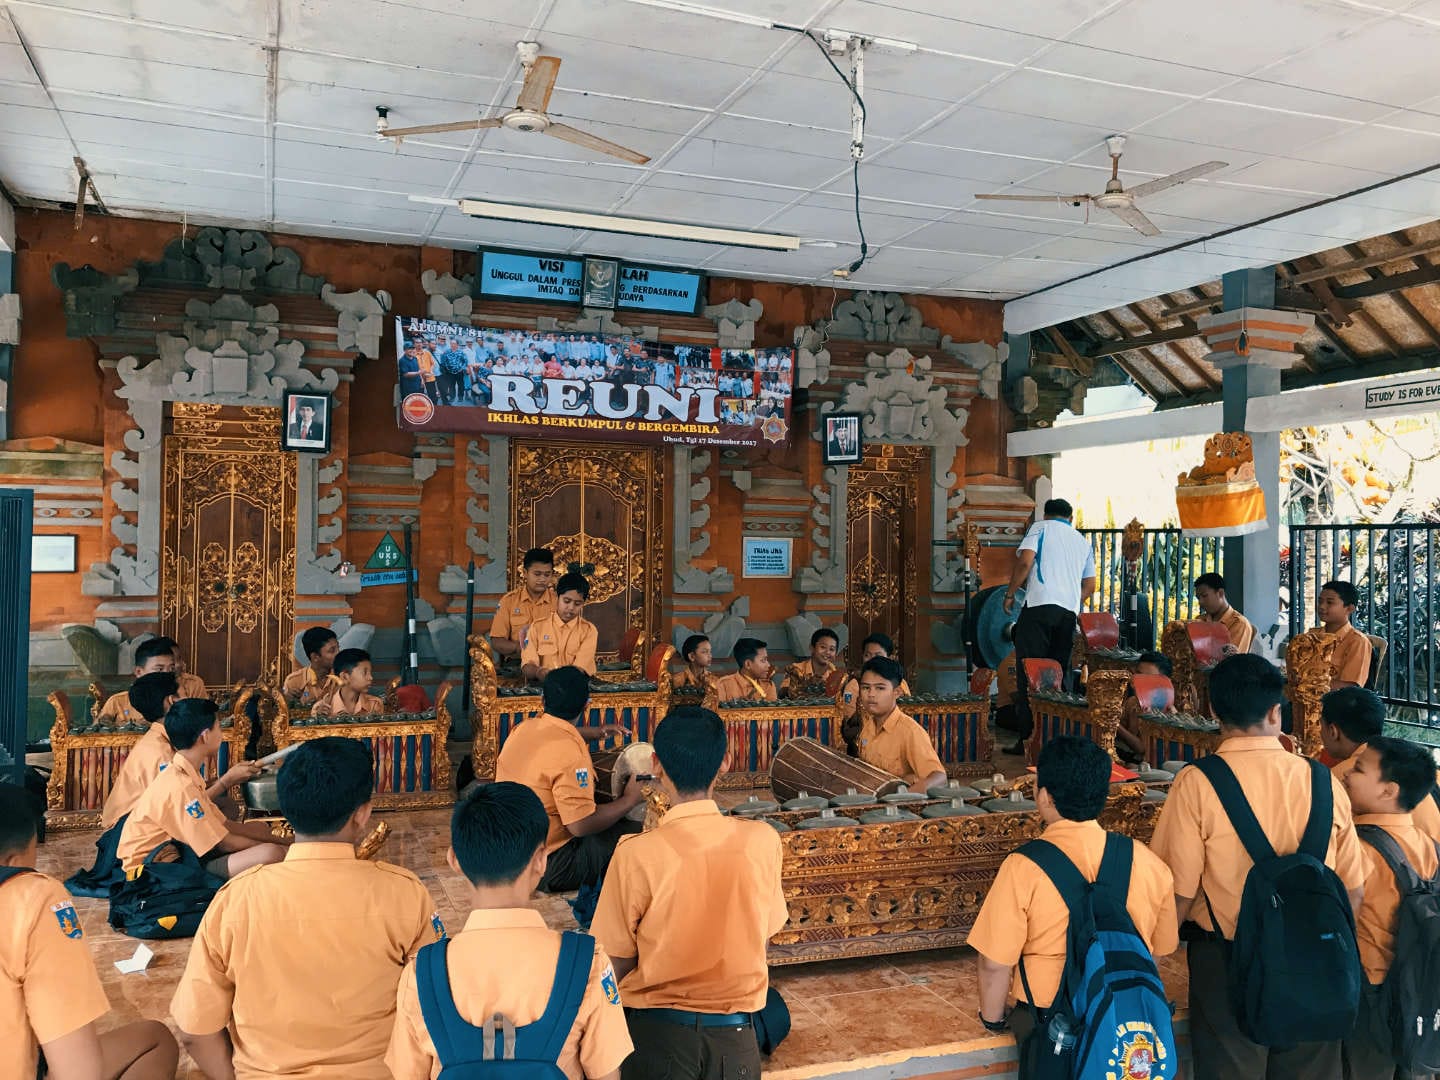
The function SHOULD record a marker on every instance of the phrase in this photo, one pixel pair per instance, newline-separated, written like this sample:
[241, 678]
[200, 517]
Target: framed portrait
[602, 283]
[52, 553]
[841, 440]
[306, 422]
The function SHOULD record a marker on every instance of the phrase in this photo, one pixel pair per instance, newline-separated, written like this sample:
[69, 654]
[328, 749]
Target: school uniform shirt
[367, 705]
[549, 756]
[704, 957]
[1240, 629]
[504, 962]
[1195, 838]
[801, 680]
[1023, 915]
[173, 807]
[48, 984]
[517, 610]
[191, 685]
[1351, 660]
[740, 687]
[552, 643]
[900, 746]
[118, 710]
[705, 681]
[1375, 921]
[146, 760]
[300, 960]
[302, 683]
[1427, 817]
[850, 697]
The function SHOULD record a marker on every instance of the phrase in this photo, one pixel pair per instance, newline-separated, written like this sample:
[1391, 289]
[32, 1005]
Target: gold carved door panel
[601, 510]
[227, 566]
[881, 587]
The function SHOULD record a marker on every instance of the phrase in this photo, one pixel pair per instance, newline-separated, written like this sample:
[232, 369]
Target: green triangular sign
[387, 556]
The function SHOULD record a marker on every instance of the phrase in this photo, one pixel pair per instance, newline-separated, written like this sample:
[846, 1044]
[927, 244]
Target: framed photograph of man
[306, 422]
[841, 442]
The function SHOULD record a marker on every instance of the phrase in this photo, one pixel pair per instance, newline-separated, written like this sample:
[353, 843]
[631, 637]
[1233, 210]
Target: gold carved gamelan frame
[1095, 716]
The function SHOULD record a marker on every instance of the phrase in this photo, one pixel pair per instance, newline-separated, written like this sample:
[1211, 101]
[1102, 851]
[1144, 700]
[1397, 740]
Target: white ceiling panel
[1408, 75]
[1055, 97]
[237, 18]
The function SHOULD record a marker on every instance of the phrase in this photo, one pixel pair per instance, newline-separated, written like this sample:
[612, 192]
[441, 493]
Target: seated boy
[153, 655]
[811, 677]
[1215, 607]
[191, 685]
[1128, 743]
[873, 646]
[1023, 916]
[1388, 778]
[505, 959]
[1350, 663]
[890, 739]
[563, 638]
[534, 599]
[280, 939]
[351, 698]
[320, 646]
[1349, 718]
[50, 993]
[176, 807]
[754, 681]
[692, 973]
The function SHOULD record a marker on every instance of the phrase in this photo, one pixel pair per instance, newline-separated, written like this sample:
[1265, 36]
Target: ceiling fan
[528, 114]
[1116, 198]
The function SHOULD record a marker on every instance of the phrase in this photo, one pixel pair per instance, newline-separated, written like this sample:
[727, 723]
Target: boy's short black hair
[693, 642]
[821, 634]
[573, 582]
[347, 660]
[148, 693]
[1211, 580]
[496, 832]
[323, 782]
[883, 640]
[1076, 773]
[691, 746]
[315, 639]
[746, 649]
[888, 669]
[1243, 690]
[19, 821]
[1357, 712]
[188, 719]
[564, 692]
[1059, 508]
[1160, 660]
[153, 647]
[543, 556]
[1409, 765]
[1348, 594]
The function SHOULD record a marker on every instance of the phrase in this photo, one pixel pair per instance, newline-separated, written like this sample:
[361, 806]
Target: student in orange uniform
[505, 961]
[191, 685]
[755, 679]
[531, 602]
[873, 646]
[549, 756]
[320, 926]
[153, 655]
[691, 972]
[1210, 864]
[1388, 779]
[564, 638]
[1350, 663]
[50, 993]
[320, 646]
[1128, 743]
[889, 739]
[1349, 718]
[352, 696]
[809, 677]
[697, 654]
[1214, 607]
[176, 807]
[1023, 919]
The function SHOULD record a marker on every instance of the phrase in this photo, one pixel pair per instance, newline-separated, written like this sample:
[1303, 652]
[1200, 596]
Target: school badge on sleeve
[437, 925]
[582, 777]
[69, 922]
[607, 983]
[194, 809]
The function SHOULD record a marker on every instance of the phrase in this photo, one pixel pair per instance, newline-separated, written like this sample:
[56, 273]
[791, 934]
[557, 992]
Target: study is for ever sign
[1385, 397]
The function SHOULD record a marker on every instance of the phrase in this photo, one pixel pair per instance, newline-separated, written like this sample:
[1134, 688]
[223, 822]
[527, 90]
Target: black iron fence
[1153, 585]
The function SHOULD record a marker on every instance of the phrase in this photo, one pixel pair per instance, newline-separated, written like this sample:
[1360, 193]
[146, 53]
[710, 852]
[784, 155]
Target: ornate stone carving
[735, 322]
[812, 359]
[900, 403]
[826, 570]
[488, 506]
[988, 360]
[1042, 394]
[448, 297]
[872, 316]
[232, 259]
[90, 297]
[591, 321]
[692, 488]
[362, 318]
[723, 628]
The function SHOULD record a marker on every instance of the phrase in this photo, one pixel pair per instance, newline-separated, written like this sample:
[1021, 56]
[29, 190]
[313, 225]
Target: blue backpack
[531, 1052]
[1110, 1016]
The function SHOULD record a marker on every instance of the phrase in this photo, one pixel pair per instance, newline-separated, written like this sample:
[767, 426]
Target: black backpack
[1294, 966]
[165, 899]
[1409, 1005]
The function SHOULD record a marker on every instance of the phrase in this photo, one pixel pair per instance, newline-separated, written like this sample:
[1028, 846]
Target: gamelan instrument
[614, 768]
[807, 765]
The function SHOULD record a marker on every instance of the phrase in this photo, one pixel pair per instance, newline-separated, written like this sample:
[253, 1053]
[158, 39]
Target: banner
[527, 382]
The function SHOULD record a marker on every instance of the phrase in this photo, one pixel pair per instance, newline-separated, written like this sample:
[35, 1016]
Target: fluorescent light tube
[665, 230]
[709, 12]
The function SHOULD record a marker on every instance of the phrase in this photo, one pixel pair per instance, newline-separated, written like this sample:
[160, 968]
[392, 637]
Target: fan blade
[1068, 200]
[595, 142]
[1132, 216]
[539, 83]
[428, 129]
[1152, 186]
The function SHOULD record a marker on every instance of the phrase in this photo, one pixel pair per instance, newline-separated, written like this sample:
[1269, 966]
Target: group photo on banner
[518, 382]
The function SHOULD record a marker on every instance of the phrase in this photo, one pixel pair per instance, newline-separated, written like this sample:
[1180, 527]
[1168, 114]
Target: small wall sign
[766, 557]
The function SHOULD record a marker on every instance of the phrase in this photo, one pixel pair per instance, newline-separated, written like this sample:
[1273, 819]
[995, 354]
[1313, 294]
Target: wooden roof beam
[1164, 374]
[1125, 344]
[1206, 379]
[1364, 262]
[1285, 300]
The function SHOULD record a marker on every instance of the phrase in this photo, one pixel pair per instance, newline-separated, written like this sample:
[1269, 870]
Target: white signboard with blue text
[766, 557]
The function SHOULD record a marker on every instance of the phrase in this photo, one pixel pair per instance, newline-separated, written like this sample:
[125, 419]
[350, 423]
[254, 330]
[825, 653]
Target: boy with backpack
[1349, 718]
[506, 986]
[1037, 934]
[1398, 925]
[1268, 870]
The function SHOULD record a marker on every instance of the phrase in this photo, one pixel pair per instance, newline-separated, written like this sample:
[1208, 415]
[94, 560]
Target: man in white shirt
[1056, 566]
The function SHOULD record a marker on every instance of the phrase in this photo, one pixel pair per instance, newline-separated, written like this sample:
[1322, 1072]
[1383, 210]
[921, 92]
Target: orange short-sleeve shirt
[367, 705]
[146, 760]
[1375, 921]
[740, 687]
[517, 610]
[900, 746]
[48, 983]
[504, 962]
[277, 941]
[549, 756]
[552, 643]
[191, 685]
[303, 683]
[708, 957]
[1350, 663]
[1241, 630]
[1023, 915]
[1427, 817]
[173, 807]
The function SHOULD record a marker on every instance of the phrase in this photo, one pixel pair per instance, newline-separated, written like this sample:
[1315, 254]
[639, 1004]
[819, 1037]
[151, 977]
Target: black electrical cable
[855, 169]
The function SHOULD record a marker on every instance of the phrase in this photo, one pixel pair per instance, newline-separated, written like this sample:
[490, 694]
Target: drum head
[635, 760]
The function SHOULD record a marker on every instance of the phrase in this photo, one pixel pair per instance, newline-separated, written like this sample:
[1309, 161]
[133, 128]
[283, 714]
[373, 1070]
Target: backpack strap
[1405, 874]
[1237, 807]
[1115, 865]
[545, 1038]
[8, 872]
[1068, 881]
[454, 1039]
[1316, 840]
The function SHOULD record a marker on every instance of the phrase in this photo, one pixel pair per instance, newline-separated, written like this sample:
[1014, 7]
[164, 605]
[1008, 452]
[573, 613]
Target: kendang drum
[614, 768]
[806, 765]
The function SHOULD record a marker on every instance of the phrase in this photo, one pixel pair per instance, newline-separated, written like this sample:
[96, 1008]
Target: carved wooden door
[601, 510]
[227, 563]
[882, 502]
